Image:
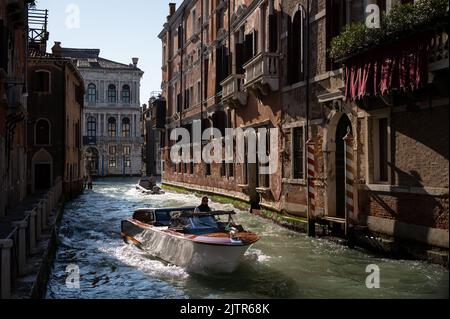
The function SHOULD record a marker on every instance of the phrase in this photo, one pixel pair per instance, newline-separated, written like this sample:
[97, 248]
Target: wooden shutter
[240, 53]
[4, 44]
[248, 47]
[273, 33]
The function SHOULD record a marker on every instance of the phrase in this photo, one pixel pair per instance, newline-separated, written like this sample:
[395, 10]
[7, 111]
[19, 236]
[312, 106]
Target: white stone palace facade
[111, 120]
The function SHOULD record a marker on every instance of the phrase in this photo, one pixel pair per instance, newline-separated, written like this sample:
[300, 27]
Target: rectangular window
[127, 162]
[113, 150]
[223, 169]
[231, 169]
[112, 162]
[194, 21]
[42, 81]
[298, 153]
[336, 11]
[208, 170]
[383, 149]
[126, 150]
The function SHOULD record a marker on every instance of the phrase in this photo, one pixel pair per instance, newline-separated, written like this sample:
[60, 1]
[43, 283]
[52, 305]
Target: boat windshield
[203, 222]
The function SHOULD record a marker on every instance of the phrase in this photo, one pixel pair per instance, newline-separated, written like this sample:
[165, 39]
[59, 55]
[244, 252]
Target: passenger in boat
[204, 207]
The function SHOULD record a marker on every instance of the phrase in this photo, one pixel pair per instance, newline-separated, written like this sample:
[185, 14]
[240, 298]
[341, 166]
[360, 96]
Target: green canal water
[283, 264]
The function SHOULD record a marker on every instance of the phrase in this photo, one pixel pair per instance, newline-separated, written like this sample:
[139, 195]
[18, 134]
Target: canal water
[283, 264]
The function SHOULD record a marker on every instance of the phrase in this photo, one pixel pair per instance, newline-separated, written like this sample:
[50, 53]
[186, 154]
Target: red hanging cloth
[400, 66]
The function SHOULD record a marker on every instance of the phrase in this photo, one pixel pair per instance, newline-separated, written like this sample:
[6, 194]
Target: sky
[121, 29]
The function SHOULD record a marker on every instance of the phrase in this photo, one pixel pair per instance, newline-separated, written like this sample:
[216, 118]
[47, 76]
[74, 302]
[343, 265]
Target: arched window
[126, 94]
[92, 126]
[297, 47]
[112, 127]
[126, 127]
[42, 81]
[42, 132]
[112, 93]
[92, 93]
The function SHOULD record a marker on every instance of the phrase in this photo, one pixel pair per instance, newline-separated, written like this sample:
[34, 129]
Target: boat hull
[184, 251]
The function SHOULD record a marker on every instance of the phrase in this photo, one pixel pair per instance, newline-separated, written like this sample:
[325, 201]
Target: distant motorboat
[195, 241]
[147, 185]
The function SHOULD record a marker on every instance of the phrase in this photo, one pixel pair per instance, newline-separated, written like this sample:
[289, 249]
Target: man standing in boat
[204, 207]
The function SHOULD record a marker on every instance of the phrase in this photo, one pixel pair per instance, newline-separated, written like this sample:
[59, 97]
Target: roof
[90, 59]
[38, 56]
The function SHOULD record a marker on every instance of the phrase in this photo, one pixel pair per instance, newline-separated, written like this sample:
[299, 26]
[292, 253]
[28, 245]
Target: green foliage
[401, 21]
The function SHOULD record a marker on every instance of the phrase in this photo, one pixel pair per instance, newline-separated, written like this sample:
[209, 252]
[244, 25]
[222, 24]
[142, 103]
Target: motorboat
[198, 242]
[148, 186]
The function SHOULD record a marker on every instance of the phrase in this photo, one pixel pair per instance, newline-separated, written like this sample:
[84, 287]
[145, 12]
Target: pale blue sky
[121, 29]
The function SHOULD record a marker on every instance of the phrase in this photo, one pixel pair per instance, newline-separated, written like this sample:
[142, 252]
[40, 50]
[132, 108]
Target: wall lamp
[11, 84]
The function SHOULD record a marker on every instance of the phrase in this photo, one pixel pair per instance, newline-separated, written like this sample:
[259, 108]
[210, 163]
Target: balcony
[233, 90]
[119, 140]
[262, 73]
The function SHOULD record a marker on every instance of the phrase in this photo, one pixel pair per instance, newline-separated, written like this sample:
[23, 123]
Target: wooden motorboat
[197, 242]
[148, 186]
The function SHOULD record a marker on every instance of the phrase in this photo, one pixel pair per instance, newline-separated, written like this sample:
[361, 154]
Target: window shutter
[240, 52]
[273, 33]
[248, 47]
[255, 43]
[219, 68]
[4, 39]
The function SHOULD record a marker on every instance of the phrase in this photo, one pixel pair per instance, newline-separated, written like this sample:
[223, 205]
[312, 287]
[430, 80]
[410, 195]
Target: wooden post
[21, 245]
[44, 210]
[349, 181]
[38, 208]
[32, 229]
[5, 262]
[311, 149]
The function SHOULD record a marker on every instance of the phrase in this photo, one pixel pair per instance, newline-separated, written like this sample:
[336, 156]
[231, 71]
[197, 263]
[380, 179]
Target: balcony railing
[119, 140]
[263, 71]
[233, 89]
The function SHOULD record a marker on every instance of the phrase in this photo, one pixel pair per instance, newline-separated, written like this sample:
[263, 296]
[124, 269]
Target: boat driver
[204, 207]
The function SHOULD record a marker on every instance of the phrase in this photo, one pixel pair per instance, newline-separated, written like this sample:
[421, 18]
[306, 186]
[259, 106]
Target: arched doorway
[343, 128]
[92, 158]
[42, 171]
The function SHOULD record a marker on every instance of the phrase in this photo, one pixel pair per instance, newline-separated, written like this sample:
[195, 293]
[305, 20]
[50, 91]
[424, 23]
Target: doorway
[42, 177]
[343, 128]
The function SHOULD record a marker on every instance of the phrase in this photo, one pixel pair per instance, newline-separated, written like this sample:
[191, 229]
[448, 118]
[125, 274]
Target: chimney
[135, 62]
[172, 8]
[57, 50]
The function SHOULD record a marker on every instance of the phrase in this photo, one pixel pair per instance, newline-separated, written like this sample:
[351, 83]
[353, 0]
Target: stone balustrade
[21, 238]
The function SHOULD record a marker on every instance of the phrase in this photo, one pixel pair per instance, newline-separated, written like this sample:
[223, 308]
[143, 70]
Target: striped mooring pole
[311, 147]
[349, 181]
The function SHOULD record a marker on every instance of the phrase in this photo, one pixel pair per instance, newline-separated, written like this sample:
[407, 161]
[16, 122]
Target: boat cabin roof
[164, 216]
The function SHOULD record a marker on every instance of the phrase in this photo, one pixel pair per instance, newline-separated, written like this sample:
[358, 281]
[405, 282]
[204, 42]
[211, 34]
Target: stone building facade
[56, 100]
[111, 120]
[13, 102]
[266, 63]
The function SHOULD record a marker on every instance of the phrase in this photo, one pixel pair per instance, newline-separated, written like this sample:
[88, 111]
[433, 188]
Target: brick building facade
[13, 102]
[253, 64]
[55, 117]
